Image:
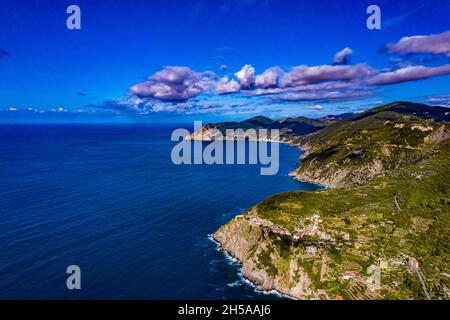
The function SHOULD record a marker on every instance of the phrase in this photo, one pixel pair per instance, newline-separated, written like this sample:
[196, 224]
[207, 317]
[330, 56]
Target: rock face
[441, 134]
[211, 132]
[329, 243]
[359, 166]
[250, 242]
[334, 176]
[207, 133]
[318, 245]
[353, 152]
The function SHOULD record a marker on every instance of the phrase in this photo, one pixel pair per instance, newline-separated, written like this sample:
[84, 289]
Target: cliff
[391, 219]
[252, 244]
[354, 151]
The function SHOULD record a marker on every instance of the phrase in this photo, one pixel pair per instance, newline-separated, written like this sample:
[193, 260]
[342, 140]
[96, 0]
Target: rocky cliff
[253, 242]
[383, 236]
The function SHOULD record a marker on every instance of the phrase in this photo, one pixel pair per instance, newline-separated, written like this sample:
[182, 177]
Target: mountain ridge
[288, 127]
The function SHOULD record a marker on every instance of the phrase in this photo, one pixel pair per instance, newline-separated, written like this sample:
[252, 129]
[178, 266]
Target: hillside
[321, 244]
[393, 222]
[289, 127]
[353, 151]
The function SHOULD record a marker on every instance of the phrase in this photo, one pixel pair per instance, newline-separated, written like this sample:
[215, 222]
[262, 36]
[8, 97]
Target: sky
[216, 60]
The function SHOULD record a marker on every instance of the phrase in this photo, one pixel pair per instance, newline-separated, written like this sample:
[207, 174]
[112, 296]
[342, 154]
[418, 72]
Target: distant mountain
[258, 121]
[289, 127]
[403, 107]
[339, 117]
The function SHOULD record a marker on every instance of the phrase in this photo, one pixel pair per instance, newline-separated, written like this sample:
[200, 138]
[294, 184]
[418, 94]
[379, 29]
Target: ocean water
[109, 199]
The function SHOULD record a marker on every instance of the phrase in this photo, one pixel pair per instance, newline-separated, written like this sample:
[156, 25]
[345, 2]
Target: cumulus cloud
[343, 56]
[173, 83]
[225, 85]
[410, 73]
[433, 44]
[175, 88]
[301, 75]
[246, 76]
[325, 96]
[268, 78]
[326, 86]
[201, 107]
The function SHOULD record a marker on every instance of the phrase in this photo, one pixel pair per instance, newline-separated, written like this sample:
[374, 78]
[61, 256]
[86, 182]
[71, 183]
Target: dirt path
[422, 281]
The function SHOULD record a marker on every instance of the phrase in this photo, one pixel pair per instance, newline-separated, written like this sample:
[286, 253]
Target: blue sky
[201, 45]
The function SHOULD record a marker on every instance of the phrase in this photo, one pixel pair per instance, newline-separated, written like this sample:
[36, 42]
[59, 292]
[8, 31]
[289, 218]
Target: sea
[108, 199]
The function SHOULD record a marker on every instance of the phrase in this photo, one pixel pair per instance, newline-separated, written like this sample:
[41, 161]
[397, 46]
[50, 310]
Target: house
[413, 263]
[311, 250]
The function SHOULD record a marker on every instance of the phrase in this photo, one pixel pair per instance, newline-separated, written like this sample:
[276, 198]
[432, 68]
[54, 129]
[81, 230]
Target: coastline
[247, 278]
[232, 249]
[235, 261]
[289, 142]
[264, 240]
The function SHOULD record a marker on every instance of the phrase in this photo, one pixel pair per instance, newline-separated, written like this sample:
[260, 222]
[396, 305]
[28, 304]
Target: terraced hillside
[386, 236]
[351, 152]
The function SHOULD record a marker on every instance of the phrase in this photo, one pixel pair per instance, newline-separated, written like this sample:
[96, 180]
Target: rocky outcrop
[299, 255]
[248, 242]
[207, 133]
[210, 133]
[334, 176]
[271, 256]
[440, 134]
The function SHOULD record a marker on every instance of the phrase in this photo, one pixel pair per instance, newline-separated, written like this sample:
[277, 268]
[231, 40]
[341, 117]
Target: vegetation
[396, 220]
[353, 151]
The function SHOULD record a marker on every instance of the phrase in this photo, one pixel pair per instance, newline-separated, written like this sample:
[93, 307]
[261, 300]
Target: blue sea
[108, 199]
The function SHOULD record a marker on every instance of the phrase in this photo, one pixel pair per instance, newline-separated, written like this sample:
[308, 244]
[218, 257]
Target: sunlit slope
[351, 152]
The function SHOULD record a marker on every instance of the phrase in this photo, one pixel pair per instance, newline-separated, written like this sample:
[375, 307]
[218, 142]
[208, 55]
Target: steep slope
[335, 242]
[353, 151]
[385, 236]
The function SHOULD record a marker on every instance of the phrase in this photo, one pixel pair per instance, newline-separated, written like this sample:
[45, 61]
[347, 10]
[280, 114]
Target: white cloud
[246, 76]
[342, 56]
[268, 78]
[225, 85]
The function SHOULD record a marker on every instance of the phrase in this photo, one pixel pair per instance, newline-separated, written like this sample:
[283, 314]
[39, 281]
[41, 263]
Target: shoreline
[236, 261]
[288, 142]
[241, 275]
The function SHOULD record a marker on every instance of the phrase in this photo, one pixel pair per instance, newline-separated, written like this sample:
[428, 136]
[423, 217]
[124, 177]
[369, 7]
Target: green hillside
[404, 214]
[353, 151]
[393, 216]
